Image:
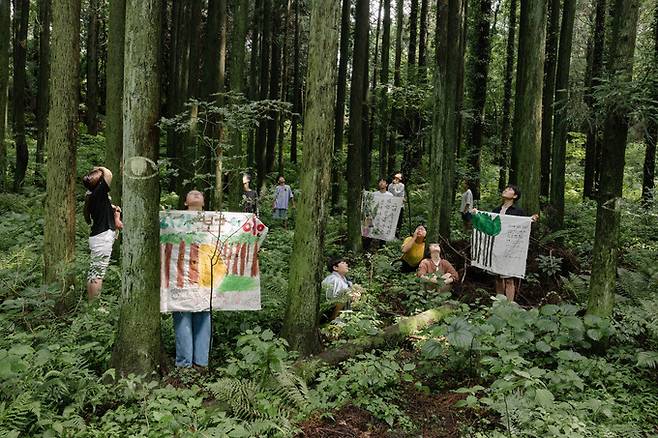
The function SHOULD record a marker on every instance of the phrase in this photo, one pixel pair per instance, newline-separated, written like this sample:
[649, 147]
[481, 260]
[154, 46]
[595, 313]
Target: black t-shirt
[100, 209]
[512, 210]
[250, 202]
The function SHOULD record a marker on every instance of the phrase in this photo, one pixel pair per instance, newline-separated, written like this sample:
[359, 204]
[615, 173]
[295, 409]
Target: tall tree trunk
[615, 131]
[526, 133]
[339, 124]
[365, 129]
[21, 17]
[62, 140]
[373, 102]
[478, 76]
[438, 155]
[399, 27]
[195, 29]
[137, 346]
[651, 134]
[92, 67]
[297, 94]
[302, 313]
[240, 11]
[549, 94]
[43, 82]
[593, 143]
[413, 35]
[356, 135]
[285, 78]
[504, 150]
[275, 84]
[383, 117]
[253, 92]
[460, 82]
[5, 37]
[261, 132]
[422, 42]
[560, 122]
[114, 117]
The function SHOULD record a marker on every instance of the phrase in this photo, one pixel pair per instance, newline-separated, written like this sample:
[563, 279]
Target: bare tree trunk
[114, 117]
[296, 91]
[503, 153]
[275, 84]
[21, 17]
[43, 82]
[422, 42]
[413, 35]
[558, 165]
[92, 67]
[339, 124]
[5, 37]
[651, 134]
[399, 27]
[261, 132]
[61, 144]
[615, 131]
[384, 117]
[137, 347]
[253, 93]
[302, 313]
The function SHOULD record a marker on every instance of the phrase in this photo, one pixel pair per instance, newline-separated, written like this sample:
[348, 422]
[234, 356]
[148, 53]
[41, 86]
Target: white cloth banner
[209, 251]
[379, 215]
[499, 243]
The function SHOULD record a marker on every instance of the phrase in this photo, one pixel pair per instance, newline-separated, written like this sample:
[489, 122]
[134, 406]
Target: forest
[328, 218]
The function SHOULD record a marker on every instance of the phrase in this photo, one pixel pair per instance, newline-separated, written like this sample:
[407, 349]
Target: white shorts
[100, 246]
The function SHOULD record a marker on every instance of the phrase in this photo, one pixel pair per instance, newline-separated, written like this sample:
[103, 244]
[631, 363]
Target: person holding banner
[510, 195]
[192, 329]
[437, 273]
[413, 250]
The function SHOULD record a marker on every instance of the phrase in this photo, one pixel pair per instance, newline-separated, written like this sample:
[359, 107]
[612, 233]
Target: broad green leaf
[544, 397]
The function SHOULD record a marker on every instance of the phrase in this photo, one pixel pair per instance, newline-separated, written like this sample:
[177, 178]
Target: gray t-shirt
[396, 189]
[467, 199]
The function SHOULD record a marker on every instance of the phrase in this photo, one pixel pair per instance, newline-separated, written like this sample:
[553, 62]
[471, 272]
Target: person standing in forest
[193, 330]
[413, 250]
[382, 188]
[437, 272]
[105, 221]
[466, 205]
[249, 196]
[510, 195]
[397, 189]
[282, 197]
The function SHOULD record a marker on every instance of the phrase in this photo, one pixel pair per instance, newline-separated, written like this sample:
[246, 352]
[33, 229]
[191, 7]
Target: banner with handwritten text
[379, 215]
[209, 258]
[499, 244]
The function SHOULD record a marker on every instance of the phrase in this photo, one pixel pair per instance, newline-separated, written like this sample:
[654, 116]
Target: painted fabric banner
[499, 244]
[379, 215]
[204, 251]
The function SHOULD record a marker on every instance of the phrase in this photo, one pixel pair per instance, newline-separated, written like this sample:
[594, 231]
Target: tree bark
[384, 118]
[526, 135]
[261, 132]
[43, 82]
[413, 35]
[296, 91]
[114, 117]
[194, 27]
[339, 125]
[615, 131]
[593, 143]
[399, 27]
[558, 165]
[422, 42]
[651, 134]
[240, 11]
[504, 150]
[302, 313]
[253, 90]
[62, 140]
[356, 135]
[5, 37]
[21, 17]
[478, 77]
[137, 347]
[92, 67]
[275, 83]
[548, 94]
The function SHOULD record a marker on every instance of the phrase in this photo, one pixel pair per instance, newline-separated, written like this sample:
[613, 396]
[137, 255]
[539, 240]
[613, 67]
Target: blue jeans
[192, 338]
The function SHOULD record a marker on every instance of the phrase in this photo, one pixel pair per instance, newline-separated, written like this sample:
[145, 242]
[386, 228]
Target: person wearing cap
[437, 272]
[413, 250]
[105, 221]
[336, 285]
[396, 188]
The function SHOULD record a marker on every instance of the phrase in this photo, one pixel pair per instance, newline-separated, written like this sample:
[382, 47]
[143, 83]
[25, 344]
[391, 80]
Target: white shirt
[335, 285]
[467, 199]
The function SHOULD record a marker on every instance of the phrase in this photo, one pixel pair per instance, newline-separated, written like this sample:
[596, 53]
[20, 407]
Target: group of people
[283, 199]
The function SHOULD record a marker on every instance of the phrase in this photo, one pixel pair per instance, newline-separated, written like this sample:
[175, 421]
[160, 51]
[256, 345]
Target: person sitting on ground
[437, 273]
[249, 196]
[382, 188]
[510, 195]
[413, 250]
[105, 221]
[337, 286]
[282, 197]
[192, 329]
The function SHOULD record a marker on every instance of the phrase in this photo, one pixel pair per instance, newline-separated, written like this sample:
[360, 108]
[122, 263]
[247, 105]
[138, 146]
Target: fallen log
[390, 336]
